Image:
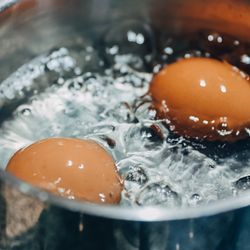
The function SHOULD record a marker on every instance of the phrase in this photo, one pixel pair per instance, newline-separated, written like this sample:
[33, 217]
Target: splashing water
[54, 97]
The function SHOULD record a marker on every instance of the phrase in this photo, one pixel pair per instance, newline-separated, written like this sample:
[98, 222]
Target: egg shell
[203, 98]
[72, 168]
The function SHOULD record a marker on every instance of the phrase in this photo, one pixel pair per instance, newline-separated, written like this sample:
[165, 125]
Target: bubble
[136, 174]
[75, 85]
[127, 75]
[131, 37]
[71, 111]
[243, 183]
[144, 137]
[88, 60]
[159, 194]
[60, 80]
[195, 200]
[60, 59]
[153, 133]
[55, 130]
[125, 113]
[24, 111]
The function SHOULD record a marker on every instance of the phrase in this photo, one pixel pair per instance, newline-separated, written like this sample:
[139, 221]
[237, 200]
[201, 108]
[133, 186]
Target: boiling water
[80, 92]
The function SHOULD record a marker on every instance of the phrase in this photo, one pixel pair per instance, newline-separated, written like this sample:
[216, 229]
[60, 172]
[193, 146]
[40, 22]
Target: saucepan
[36, 220]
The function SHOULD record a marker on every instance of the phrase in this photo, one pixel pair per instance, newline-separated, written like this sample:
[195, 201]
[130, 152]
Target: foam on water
[104, 105]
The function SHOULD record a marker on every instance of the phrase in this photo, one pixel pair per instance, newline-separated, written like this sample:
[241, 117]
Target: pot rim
[146, 214]
[5, 4]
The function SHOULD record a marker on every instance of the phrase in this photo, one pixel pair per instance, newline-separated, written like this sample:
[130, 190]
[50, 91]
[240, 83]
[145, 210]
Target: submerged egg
[72, 168]
[203, 98]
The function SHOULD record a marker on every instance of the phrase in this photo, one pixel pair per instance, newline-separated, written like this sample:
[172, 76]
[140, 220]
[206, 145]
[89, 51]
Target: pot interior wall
[32, 27]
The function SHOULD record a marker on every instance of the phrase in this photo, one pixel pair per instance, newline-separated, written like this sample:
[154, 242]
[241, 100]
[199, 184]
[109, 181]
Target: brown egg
[203, 98]
[72, 168]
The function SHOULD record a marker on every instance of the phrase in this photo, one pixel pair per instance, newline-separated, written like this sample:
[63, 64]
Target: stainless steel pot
[35, 220]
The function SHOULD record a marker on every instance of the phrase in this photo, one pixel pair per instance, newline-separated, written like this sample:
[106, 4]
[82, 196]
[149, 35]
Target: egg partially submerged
[72, 168]
[203, 98]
